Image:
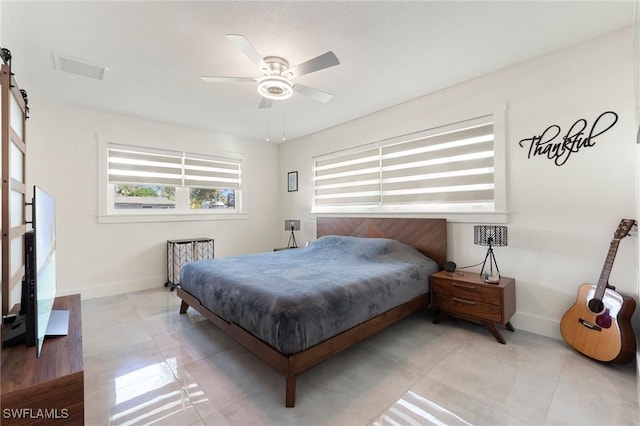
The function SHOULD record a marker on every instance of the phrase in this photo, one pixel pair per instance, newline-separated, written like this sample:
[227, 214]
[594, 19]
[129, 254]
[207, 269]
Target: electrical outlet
[292, 223]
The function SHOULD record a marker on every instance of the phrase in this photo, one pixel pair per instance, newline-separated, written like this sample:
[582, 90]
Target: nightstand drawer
[467, 306]
[469, 291]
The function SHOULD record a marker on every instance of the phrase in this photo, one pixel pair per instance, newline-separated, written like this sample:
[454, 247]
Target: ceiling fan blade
[318, 63]
[209, 79]
[265, 103]
[315, 94]
[250, 52]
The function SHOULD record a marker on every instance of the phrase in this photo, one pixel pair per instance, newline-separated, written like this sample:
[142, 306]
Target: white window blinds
[447, 168]
[136, 165]
[211, 173]
[348, 178]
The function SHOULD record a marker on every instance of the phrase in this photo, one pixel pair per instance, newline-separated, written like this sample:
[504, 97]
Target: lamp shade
[490, 235]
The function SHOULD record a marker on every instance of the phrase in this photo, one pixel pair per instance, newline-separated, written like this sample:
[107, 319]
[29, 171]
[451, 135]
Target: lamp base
[488, 276]
[491, 279]
[292, 240]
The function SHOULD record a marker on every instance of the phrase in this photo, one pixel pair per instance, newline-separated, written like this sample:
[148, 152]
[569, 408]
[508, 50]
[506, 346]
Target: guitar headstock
[624, 228]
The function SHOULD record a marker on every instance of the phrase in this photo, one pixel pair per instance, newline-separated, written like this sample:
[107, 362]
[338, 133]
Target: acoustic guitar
[599, 323]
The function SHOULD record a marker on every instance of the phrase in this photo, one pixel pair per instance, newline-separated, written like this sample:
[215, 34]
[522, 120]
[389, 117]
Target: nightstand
[467, 296]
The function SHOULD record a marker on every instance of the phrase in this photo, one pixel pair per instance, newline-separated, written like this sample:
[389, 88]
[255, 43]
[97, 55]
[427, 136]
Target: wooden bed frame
[429, 236]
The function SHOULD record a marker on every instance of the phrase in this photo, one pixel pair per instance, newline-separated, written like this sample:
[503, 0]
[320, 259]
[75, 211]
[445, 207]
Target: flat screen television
[44, 225]
[37, 318]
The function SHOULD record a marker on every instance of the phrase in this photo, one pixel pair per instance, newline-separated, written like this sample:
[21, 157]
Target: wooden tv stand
[48, 389]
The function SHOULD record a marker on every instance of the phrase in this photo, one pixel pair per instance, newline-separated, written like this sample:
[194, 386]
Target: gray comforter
[294, 299]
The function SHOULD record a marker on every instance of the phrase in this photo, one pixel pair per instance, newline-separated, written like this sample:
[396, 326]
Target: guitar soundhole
[596, 306]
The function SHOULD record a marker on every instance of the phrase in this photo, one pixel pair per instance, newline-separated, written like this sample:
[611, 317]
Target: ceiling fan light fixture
[275, 87]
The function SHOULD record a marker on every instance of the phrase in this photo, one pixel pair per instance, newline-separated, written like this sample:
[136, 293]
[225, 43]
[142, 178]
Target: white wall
[561, 219]
[100, 259]
[636, 59]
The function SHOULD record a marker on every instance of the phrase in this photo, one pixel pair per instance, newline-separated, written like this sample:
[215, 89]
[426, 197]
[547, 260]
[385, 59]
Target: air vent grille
[79, 67]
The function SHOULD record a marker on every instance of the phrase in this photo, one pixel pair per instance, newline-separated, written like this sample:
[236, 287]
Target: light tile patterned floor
[147, 364]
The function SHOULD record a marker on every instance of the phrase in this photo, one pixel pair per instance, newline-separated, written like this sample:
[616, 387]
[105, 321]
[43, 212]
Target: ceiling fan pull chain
[283, 138]
[268, 140]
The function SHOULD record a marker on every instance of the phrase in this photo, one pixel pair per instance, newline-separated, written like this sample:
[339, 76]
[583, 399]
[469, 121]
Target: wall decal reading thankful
[574, 140]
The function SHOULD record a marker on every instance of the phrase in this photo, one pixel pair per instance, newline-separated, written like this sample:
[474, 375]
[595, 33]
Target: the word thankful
[559, 150]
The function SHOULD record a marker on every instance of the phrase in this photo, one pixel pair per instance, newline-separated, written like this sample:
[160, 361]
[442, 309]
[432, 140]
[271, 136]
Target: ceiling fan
[277, 83]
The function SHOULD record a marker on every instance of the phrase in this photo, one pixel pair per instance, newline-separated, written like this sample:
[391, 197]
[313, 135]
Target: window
[142, 181]
[129, 196]
[446, 169]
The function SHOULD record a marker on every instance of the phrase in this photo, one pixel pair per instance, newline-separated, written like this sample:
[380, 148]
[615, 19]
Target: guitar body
[604, 335]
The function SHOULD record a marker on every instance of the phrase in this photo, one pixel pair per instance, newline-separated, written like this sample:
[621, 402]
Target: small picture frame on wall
[292, 181]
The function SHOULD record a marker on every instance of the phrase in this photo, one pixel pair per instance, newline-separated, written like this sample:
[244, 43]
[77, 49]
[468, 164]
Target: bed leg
[290, 393]
[183, 307]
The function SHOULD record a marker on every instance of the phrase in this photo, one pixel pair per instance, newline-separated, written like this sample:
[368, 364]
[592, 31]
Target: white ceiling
[390, 52]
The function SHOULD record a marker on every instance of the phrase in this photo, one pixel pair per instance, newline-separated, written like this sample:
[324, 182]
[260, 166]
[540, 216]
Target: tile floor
[147, 364]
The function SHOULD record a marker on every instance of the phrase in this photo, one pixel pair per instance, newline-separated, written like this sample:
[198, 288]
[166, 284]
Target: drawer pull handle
[468, 302]
[468, 287]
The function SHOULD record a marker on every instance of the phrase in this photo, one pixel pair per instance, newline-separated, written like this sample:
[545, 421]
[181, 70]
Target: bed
[297, 308]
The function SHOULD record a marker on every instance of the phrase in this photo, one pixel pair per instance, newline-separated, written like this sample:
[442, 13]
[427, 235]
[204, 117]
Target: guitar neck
[606, 269]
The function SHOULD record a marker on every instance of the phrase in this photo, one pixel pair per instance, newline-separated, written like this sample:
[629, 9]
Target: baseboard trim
[112, 289]
[638, 374]
[536, 324]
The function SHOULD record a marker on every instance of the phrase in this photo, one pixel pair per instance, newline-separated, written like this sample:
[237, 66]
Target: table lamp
[492, 236]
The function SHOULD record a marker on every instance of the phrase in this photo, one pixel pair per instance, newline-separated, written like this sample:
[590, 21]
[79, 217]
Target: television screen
[44, 224]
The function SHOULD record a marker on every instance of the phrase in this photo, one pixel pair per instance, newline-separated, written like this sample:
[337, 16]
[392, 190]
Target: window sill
[163, 217]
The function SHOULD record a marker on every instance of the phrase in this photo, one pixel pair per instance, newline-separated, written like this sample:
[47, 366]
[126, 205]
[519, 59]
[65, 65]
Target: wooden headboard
[429, 236]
